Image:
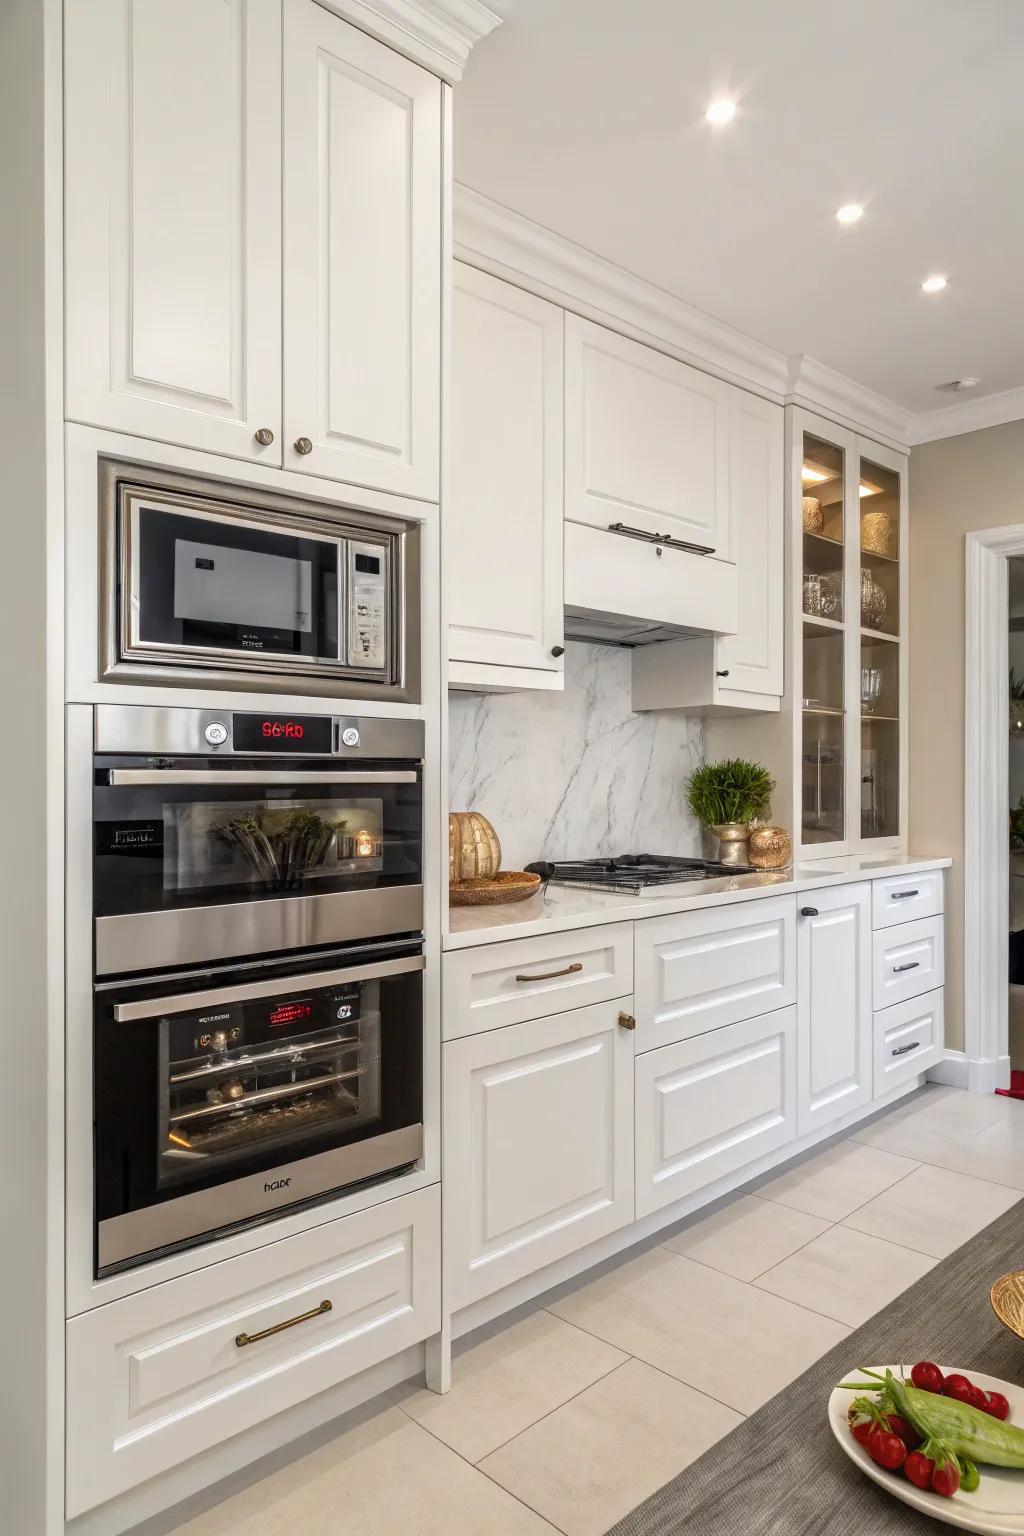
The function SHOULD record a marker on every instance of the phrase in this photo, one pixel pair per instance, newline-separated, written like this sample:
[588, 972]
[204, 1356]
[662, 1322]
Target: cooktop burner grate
[633, 873]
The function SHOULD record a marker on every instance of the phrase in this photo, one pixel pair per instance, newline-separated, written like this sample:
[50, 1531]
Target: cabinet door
[646, 439]
[362, 257]
[709, 1106]
[538, 1145]
[173, 220]
[751, 659]
[833, 1004]
[503, 517]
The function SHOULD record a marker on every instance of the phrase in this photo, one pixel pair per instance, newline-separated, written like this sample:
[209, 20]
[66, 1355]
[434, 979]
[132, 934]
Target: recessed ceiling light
[849, 213]
[933, 284]
[722, 110]
[954, 386]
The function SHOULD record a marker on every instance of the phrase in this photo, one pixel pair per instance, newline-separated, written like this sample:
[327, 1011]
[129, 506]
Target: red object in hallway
[1016, 1088]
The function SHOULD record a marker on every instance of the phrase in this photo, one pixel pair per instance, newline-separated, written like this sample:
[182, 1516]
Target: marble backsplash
[576, 774]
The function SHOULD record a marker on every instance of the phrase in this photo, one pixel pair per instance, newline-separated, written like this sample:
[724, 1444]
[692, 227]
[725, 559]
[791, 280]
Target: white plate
[996, 1508]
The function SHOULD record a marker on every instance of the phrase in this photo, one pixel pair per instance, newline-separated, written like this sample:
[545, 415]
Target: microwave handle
[158, 1007]
[229, 776]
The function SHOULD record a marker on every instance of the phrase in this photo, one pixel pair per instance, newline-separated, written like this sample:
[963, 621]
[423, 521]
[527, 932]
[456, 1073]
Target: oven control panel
[174, 733]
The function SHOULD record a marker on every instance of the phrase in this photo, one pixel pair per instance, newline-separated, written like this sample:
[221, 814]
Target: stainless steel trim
[184, 1002]
[171, 1222]
[266, 1096]
[228, 776]
[665, 539]
[150, 941]
[259, 674]
[171, 732]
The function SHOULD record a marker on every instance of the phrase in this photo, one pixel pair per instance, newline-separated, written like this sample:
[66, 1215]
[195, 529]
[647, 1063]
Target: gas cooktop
[633, 873]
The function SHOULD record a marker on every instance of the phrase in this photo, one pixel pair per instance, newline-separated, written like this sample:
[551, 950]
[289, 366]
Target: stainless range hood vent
[617, 629]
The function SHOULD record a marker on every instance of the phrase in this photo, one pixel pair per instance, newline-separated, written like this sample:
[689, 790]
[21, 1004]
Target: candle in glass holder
[366, 845]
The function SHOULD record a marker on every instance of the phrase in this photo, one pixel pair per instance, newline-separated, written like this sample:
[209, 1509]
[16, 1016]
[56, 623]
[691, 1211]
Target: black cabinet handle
[901, 1050]
[558, 650]
[808, 911]
[723, 673]
[904, 895]
[910, 965]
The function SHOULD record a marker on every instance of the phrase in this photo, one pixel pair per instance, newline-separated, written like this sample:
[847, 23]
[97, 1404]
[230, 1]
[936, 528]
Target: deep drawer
[908, 1038]
[498, 984]
[908, 961]
[905, 898]
[161, 1375]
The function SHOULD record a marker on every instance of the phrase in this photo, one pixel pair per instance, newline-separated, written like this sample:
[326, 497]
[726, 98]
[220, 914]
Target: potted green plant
[726, 797]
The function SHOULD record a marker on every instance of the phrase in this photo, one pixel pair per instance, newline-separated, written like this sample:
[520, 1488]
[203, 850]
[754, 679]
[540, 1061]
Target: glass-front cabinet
[849, 528]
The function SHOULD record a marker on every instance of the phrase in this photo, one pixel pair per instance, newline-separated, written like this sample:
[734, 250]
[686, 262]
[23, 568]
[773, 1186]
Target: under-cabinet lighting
[849, 213]
[721, 111]
[933, 284]
[814, 474]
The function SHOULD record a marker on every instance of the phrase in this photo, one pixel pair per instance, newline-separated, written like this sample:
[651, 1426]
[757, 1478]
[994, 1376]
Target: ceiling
[588, 117]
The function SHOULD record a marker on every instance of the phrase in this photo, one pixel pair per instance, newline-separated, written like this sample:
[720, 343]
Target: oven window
[222, 584]
[160, 847]
[250, 1078]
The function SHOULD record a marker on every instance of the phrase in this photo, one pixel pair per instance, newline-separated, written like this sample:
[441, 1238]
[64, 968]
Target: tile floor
[573, 1413]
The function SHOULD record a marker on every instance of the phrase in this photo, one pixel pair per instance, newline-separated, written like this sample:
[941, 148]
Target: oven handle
[157, 776]
[184, 1002]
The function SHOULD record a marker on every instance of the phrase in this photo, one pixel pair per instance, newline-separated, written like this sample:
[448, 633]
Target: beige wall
[956, 487]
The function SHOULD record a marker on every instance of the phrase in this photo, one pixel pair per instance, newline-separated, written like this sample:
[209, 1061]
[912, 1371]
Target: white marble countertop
[558, 908]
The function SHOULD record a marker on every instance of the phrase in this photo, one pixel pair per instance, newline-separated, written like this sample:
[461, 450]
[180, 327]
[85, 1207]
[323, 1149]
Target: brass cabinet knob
[264, 437]
[627, 1021]
[303, 445]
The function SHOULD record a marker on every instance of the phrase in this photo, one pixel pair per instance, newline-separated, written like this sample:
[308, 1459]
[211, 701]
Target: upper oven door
[198, 860]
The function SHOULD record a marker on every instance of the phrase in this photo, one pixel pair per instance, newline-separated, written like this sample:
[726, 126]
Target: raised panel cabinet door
[172, 194]
[646, 439]
[538, 1145]
[362, 258]
[709, 1106]
[752, 658]
[833, 1004]
[503, 516]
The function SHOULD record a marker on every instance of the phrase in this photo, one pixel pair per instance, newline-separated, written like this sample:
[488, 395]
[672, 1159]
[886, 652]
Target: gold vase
[814, 517]
[769, 847]
[732, 842]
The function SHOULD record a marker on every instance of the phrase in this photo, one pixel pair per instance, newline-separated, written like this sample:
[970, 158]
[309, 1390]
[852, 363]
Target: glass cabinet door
[879, 488]
[824, 583]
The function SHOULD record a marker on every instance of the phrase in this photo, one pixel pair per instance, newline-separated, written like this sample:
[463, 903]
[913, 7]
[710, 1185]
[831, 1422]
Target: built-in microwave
[212, 585]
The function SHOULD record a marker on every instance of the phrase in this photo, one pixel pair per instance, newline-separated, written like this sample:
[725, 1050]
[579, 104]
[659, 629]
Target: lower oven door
[220, 1105]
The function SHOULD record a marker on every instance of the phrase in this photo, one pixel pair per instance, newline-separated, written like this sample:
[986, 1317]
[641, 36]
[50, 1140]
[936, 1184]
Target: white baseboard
[956, 1070]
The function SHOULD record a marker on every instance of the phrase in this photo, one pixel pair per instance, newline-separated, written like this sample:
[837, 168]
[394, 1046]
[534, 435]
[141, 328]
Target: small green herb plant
[730, 791]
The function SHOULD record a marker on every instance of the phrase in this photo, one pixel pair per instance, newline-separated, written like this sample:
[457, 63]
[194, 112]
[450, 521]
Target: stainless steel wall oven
[223, 586]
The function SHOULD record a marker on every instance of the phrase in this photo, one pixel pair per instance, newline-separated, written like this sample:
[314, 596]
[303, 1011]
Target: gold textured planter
[770, 847]
[1008, 1301]
[732, 842]
[814, 517]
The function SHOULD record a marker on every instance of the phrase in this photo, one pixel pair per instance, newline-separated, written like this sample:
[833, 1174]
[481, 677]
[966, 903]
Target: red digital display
[289, 728]
[289, 1013]
[309, 734]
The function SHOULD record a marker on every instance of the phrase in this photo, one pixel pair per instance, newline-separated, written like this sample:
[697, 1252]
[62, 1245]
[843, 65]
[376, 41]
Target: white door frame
[986, 801]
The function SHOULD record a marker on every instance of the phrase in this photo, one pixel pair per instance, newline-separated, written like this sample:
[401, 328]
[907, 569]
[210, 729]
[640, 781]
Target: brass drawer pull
[242, 1339]
[570, 970]
[627, 1021]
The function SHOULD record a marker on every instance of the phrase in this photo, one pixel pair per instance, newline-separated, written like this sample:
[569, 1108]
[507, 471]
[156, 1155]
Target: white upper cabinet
[751, 661]
[503, 512]
[173, 220]
[362, 258]
[646, 440]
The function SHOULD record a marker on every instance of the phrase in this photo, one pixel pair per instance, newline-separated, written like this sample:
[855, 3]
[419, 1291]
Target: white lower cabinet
[834, 1048]
[909, 1038]
[908, 961]
[538, 1144]
[708, 1106]
[162, 1375]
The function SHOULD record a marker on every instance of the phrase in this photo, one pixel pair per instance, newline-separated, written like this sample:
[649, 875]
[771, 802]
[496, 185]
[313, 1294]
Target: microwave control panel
[367, 606]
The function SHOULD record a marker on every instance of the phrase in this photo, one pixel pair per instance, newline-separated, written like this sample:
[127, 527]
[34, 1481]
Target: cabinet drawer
[909, 1038]
[161, 1375]
[696, 971]
[708, 1106]
[905, 898]
[524, 979]
[908, 961]
[538, 1145]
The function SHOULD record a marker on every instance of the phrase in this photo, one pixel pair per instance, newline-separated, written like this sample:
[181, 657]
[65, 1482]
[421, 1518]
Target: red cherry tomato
[919, 1469]
[927, 1376]
[960, 1390]
[997, 1405]
[979, 1398]
[862, 1430]
[946, 1480]
[888, 1450]
[907, 1433]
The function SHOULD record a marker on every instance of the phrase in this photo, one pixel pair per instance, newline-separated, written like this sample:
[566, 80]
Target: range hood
[627, 587]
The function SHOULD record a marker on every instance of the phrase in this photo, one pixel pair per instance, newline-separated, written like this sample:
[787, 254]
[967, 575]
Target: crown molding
[439, 34]
[823, 390]
[972, 415]
[504, 243]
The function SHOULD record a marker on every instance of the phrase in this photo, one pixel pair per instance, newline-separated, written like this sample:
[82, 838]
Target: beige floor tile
[938, 1123]
[834, 1182]
[508, 1381]
[846, 1274]
[746, 1237]
[995, 1154]
[387, 1477]
[737, 1344]
[590, 1462]
[933, 1211]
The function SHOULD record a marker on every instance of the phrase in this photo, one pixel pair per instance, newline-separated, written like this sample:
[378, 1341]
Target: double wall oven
[258, 1013]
